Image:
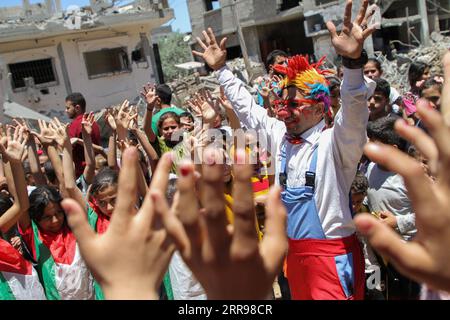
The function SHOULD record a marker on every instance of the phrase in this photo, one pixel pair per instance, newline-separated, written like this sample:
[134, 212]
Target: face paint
[285, 108]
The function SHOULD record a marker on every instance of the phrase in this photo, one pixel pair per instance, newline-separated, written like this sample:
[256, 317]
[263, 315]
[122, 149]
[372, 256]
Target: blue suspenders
[310, 175]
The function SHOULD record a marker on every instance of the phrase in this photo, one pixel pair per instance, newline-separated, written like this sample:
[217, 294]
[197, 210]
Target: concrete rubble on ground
[396, 71]
[186, 87]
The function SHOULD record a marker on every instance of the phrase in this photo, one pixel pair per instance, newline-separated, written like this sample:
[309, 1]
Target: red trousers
[326, 269]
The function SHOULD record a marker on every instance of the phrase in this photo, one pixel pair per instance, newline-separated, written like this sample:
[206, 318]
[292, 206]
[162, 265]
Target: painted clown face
[297, 113]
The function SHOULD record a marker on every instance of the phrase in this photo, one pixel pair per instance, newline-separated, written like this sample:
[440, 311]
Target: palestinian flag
[18, 279]
[61, 268]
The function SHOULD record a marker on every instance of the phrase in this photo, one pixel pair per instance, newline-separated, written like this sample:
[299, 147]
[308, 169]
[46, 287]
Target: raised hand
[47, 135]
[427, 258]
[87, 122]
[266, 91]
[195, 106]
[215, 254]
[223, 100]
[25, 129]
[132, 121]
[148, 93]
[60, 132]
[207, 106]
[129, 260]
[214, 54]
[349, 43]
[110, 115]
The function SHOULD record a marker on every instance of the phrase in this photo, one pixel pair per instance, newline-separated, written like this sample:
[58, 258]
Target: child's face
[357, 201]
[378, 106]
[106, 200]
[371, 71]
[53, 218]
[433, 95]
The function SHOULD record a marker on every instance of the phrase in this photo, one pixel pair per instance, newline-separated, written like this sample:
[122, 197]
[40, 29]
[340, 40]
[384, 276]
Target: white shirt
[340, 148]
[387, 192]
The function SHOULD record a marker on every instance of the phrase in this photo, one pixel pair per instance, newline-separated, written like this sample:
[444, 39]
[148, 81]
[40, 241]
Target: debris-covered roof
[33, 19]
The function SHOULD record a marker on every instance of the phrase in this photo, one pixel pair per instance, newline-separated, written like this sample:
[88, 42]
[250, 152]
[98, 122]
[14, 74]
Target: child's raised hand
[60, 134]
[129, 260]
[46, 136]
[87, 122]
[16, 144]
[217, 256]
[148, 93]
[110, 118]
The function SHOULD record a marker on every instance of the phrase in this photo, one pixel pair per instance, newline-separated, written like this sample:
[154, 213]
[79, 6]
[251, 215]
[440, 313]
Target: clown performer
[315, 166]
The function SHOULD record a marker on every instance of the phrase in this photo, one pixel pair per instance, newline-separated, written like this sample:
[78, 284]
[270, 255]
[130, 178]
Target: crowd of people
[342, 193]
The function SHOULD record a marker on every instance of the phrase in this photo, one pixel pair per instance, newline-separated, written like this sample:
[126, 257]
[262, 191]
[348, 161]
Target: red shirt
[78, 150]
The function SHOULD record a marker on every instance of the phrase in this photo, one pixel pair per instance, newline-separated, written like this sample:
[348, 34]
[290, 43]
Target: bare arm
[63, 140]
[146, 145]
[56, 162]
[35, 166]
[89, 170]
[33, 157]
[112, 152]
[152, 100]
[16, 182]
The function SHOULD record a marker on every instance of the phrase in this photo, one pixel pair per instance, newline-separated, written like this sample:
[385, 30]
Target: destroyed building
[299, 26]
[101, 50]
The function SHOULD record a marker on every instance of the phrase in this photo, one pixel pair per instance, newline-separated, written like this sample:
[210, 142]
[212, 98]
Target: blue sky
[180, 23]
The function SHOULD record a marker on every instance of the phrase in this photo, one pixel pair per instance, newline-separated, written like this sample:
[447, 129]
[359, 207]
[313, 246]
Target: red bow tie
[294, 139]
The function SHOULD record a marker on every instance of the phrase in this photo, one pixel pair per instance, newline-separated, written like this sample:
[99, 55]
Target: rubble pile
[396, 71]
[185, 88]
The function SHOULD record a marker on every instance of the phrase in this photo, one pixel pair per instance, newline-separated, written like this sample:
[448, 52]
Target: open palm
[349, 42]
[16, 145]
[215, 54]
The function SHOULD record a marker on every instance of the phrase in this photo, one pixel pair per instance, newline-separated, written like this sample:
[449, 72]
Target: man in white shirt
[314, 166]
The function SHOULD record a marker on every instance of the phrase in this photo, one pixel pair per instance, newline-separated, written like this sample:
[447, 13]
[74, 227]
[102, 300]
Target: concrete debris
[396, 71]
[186, 87]
[74, 18]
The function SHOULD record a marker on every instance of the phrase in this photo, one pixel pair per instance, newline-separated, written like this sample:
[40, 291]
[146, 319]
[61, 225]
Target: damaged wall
[100, 91]
[55, 51]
